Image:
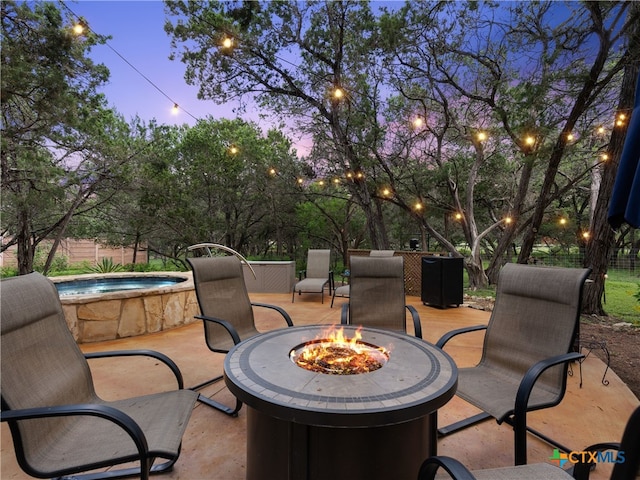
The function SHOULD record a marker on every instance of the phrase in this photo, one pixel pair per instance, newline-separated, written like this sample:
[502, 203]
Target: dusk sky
[137, 31]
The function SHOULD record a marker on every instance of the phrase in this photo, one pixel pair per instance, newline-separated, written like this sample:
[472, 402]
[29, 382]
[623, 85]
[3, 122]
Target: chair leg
[232, 412]
[124, 472]
[520, 441]
[462, 424]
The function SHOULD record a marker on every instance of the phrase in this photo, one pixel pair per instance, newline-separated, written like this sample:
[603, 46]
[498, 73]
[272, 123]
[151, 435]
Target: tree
[601, 242]
[219, 181]
[251, 49]
[52, 120]
[528, 74]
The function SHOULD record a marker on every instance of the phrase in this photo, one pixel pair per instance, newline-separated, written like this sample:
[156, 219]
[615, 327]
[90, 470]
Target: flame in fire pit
[338, 355]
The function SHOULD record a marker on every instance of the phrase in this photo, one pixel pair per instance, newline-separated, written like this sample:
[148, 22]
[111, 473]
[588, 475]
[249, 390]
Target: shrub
[107, 266]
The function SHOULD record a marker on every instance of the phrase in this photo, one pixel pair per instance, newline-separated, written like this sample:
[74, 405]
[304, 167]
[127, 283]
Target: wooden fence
[78, 251]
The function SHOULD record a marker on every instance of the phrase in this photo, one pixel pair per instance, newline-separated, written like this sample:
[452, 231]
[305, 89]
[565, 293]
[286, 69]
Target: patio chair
[226, 312]
[343, 291]
[527, 349]
[626, 469]
[377, 295]
[58, 423]
[317, 275]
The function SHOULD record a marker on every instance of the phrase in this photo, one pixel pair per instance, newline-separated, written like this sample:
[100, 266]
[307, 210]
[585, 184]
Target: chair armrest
[344, 314]
[332, 283]
[280, 310]
[449, 335]
[530, 378]
[416, 320]
[453, 467]
[107, 412]
[146, 353]
[227, 326]
[582, 469]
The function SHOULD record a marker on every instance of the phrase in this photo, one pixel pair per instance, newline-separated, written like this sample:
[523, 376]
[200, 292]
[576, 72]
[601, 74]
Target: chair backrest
[318, 263]
[381, 253]
[41, 362]
[377, 297]
[535, 316]
[222, 294]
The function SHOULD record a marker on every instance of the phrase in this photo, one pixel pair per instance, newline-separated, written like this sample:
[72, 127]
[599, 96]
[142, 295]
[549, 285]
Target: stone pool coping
[108, 316]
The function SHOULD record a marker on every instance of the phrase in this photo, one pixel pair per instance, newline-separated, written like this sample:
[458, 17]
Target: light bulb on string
[79, 27]
[227, 43]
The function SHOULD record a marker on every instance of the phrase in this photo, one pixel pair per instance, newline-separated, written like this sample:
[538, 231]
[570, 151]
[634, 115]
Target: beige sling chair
[377, 297]
[58, 423]
[527, 349]
[226, 311]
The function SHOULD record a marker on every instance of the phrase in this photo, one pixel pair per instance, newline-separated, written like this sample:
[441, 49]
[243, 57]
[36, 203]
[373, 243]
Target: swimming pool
[109, 306]
[117, 284]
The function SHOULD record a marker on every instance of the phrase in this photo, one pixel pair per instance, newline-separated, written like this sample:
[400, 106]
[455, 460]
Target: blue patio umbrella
[625, 199]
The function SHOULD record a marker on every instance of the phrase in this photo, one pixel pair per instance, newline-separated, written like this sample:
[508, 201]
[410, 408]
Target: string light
[508, 220]
[81, 23]
[458, 216]
[417, 122]
[272, 171]
[562, 221]
[176, 109]
[481, 136]
[79, 27]
[227, 43]
[233, 149]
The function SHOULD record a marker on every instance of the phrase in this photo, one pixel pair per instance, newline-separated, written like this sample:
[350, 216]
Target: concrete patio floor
[214, 443]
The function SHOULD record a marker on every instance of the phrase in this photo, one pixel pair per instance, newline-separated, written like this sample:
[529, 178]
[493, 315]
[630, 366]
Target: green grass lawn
[619, 299]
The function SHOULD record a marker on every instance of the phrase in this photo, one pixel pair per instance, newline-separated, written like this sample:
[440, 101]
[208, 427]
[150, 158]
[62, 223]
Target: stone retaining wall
[108, 316]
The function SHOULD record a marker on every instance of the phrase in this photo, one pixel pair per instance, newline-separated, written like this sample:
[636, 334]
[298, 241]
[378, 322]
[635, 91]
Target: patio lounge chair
[226, 311]
[526, 351]
[343, 291]
[626, 469]
[317, 275]
[377, 295]
[58, 423]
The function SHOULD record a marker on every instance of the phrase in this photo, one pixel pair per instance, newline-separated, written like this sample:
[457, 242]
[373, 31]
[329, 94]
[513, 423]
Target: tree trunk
[506, 239]
[26, 251]
[601, 243]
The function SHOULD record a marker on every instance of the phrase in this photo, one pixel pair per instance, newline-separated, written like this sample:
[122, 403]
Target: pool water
[107, 285]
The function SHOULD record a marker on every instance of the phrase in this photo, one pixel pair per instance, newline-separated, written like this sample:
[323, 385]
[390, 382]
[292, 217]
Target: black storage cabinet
[442, 281]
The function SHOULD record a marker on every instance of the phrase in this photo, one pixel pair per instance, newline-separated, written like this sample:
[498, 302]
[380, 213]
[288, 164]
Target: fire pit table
[304, 424]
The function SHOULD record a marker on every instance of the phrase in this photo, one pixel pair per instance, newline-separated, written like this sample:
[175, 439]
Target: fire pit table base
[308, 425]
[288, 450]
